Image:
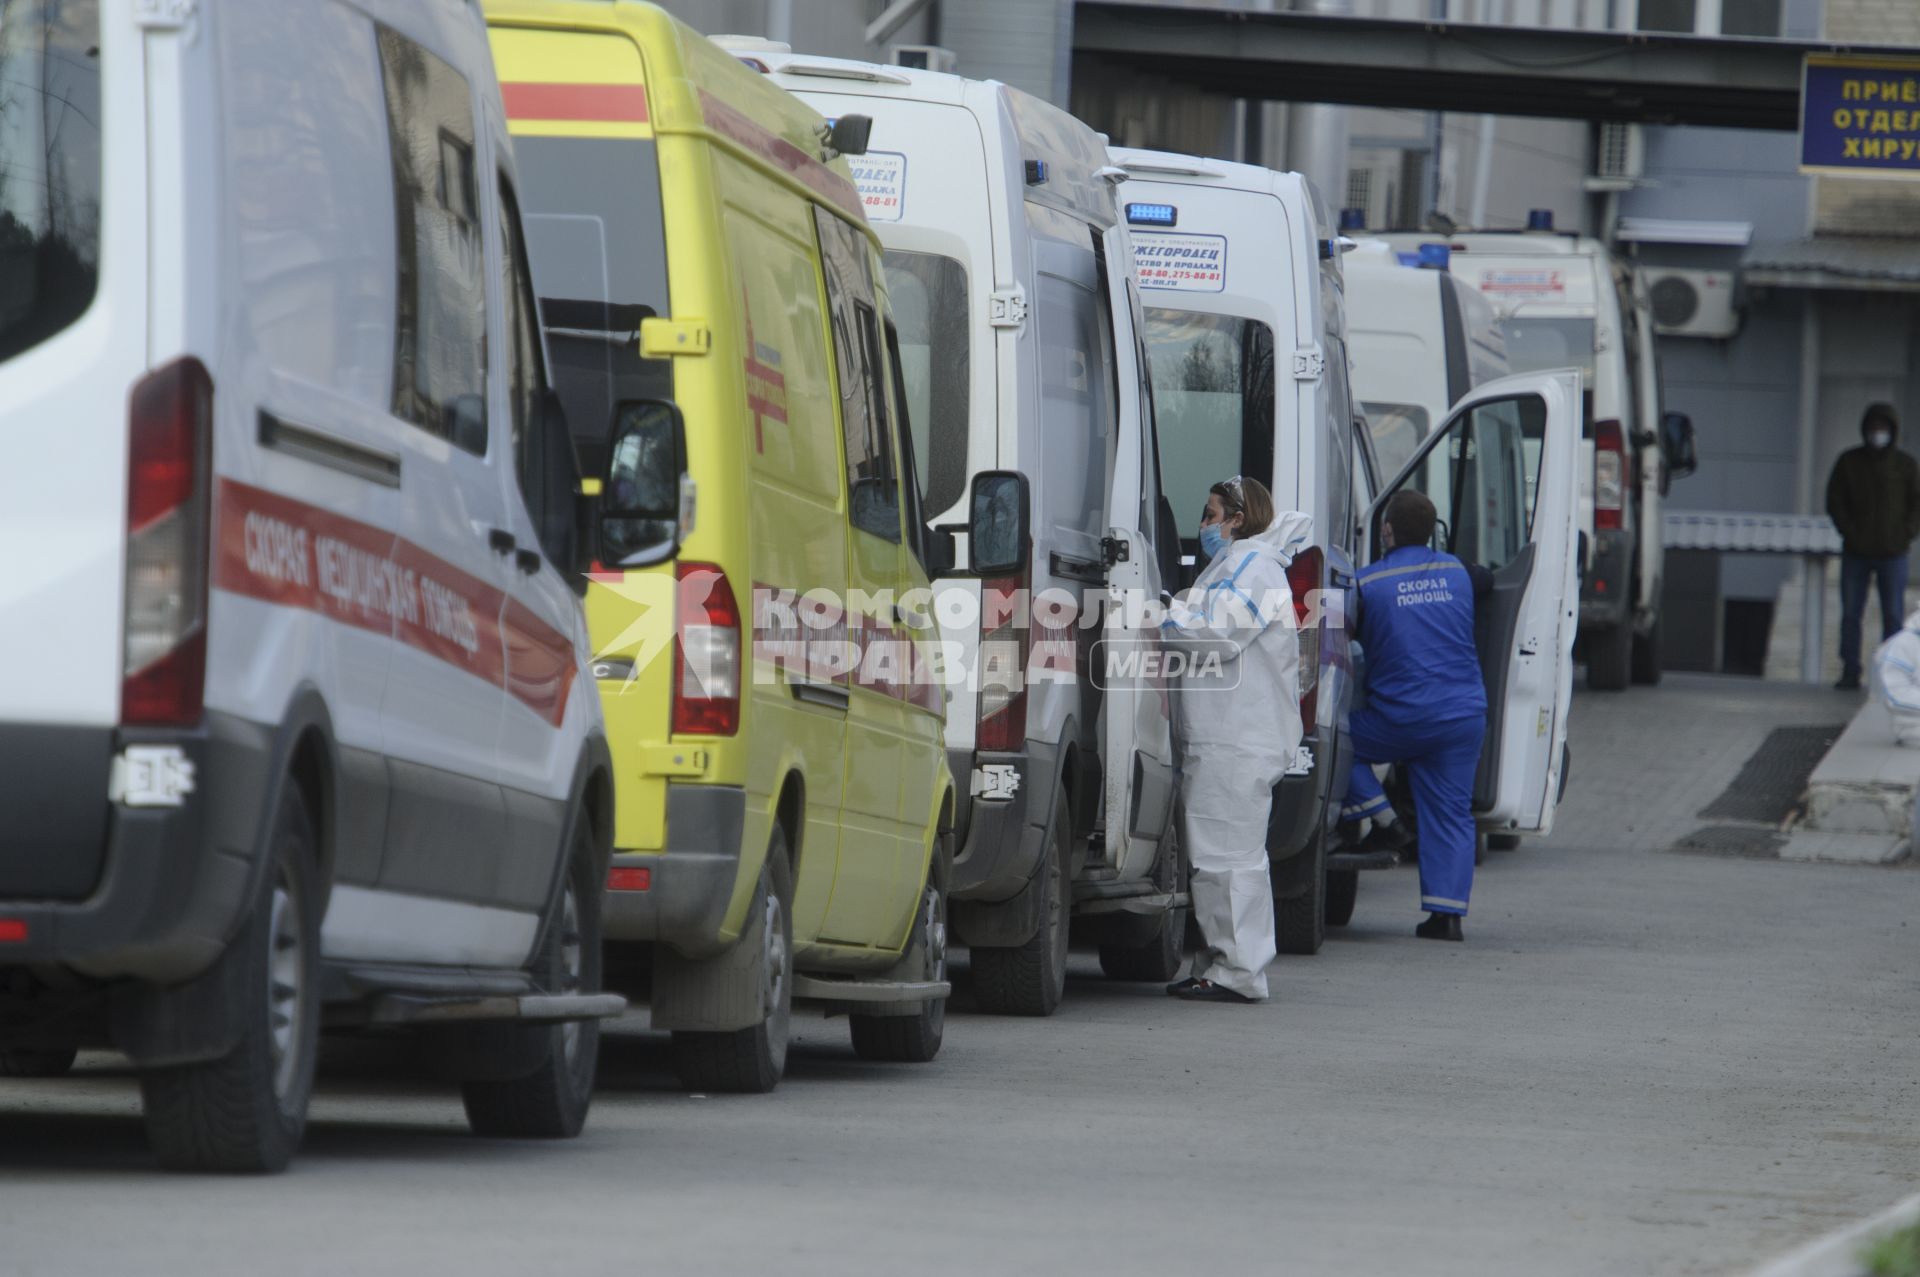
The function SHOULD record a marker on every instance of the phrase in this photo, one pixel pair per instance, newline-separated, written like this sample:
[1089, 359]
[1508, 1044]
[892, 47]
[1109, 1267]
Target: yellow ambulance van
[716, 313]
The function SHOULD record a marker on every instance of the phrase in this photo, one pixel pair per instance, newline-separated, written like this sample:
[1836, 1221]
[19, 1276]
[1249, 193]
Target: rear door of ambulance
[591, 205]
[1502, 476]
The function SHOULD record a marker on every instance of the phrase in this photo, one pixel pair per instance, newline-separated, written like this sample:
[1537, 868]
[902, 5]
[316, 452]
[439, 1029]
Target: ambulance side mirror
[999, 533]
[646, 503]
[848, 135]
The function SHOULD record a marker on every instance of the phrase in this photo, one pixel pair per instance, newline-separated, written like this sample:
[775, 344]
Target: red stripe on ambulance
[291, 554]
[607, 103]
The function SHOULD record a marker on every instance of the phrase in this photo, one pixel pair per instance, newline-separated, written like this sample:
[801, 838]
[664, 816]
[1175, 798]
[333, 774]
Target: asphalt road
[1640, 1062]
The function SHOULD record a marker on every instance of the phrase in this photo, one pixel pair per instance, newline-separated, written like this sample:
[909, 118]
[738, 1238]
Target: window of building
[440, 336]
[1737, 17]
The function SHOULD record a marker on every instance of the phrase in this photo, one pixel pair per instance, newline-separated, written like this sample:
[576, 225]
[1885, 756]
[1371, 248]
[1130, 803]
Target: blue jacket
[1416, 622]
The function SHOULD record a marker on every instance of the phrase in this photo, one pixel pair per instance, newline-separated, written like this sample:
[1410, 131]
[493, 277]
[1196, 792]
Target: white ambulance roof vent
[738, 44]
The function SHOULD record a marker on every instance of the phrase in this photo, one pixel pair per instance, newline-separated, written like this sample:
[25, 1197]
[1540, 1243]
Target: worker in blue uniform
[1426, 705]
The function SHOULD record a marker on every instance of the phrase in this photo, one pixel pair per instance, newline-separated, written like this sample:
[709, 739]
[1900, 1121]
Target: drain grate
[1748, 842]
[1769, 785]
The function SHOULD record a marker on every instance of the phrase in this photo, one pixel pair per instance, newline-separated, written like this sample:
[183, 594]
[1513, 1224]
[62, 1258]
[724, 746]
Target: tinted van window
[49, 167]
[929, 297]
[599, 249]
[1213, 401]
[440, 339]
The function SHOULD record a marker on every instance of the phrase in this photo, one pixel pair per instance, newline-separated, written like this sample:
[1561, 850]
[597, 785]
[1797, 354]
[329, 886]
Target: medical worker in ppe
[1426, 704]
[1237, 713]
[1896, 675]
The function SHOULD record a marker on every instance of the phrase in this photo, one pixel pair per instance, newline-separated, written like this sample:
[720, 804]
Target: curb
[1837, 1254]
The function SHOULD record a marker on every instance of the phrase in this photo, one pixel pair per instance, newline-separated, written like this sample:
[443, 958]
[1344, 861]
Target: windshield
[598, 249]
[1213, 400]
[1536, 345]
[928, 293]
[49, 167]
[1397, 429]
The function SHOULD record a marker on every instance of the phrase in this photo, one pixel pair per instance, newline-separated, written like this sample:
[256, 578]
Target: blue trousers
[1889, 577]
[1441, 759]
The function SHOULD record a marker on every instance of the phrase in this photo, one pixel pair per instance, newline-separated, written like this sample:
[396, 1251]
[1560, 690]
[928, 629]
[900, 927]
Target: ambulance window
[1397, 430]
[440, 334]
[1539, 345]
[873, 486]
[524, 377]
[49, 167]
[1213, 400]
[928, 295]
[1338, 527]
[1481, 481]
[597, 242]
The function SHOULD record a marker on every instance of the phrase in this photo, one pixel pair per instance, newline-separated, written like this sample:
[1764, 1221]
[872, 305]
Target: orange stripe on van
[782, 154]
[611, 103]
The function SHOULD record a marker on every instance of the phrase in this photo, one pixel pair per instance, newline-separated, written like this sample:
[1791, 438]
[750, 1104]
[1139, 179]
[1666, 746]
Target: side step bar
[1151, 902]
[1340, 861]
[868, 997]
[529, 1008]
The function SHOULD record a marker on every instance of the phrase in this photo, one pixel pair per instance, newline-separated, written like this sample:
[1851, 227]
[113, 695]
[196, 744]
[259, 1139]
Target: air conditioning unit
[1619, 158]
[922, 57]
[1692, 303]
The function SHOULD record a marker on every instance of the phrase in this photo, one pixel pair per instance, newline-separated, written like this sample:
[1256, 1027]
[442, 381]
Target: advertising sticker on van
[1524, 283]
[881, 177]
[1180, 263]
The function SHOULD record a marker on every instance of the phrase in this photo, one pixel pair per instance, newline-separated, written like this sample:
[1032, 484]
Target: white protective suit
[1239, 726]
[1896, 674]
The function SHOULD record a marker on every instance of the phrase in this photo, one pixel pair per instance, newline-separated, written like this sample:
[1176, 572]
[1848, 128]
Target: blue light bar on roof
[1152, 215]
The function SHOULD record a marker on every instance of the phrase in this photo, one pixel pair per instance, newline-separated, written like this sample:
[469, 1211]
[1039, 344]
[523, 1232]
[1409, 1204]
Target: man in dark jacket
[1874, 500]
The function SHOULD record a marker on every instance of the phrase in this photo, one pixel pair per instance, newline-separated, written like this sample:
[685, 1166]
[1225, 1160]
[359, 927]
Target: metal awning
[1750, 532]
[1835, 262]
[1680, 230]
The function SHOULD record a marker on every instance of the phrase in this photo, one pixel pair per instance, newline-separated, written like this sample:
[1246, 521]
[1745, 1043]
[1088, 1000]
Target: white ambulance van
[296, 723]
[1419, 339]
[1247, 336]
[1010, 275]
[1565, 300]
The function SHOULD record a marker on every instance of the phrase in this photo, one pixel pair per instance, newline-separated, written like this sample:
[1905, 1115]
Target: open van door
[1137, 744]
[1502, 473]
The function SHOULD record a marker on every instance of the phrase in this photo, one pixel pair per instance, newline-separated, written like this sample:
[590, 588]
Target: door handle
[501, 540]
[527, 561]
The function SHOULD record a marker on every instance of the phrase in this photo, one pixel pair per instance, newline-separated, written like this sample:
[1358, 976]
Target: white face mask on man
[1880, 438]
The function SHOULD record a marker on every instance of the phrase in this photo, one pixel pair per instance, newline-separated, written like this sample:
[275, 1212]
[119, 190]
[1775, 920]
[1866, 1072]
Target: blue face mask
[1212, 540]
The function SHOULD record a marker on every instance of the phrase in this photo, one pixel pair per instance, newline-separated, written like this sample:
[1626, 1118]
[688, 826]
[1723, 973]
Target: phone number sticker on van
[1181, 263]
[1525, 283]
[881, 177]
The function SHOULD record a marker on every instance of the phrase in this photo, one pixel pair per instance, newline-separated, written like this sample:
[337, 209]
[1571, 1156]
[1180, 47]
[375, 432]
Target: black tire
[31, 1063]
[751, 1061]
[1154, 955]
[1646, 657]
[1503, 842]
[551, 1102]
[1300, 920]
[1610, 658]
[1479, 847]
[914, 1039]
[1030, 979]
[247, 1110]
[1343, 891]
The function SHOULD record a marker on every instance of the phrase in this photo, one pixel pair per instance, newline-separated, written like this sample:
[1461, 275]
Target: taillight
[1609, 474]
[1304, 580]
[1003, 664]
[706, 653]
[164, 616]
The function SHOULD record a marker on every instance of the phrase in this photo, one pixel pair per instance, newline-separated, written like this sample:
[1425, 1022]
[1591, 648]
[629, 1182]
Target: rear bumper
[1004, 837]
[152, 892]
[1606, 591]
[691, 882]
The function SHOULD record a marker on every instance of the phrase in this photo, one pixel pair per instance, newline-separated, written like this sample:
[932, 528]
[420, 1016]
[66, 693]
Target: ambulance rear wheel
[1030, 979]
[1343, 891]
[53, 1063]
[1610, 657]
[912, 1039]
[247, 1110]
[752, 1060]
[551, 1102]
[1300, 919]
[1151, 949]
[1503, 842]
[1646, 657]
